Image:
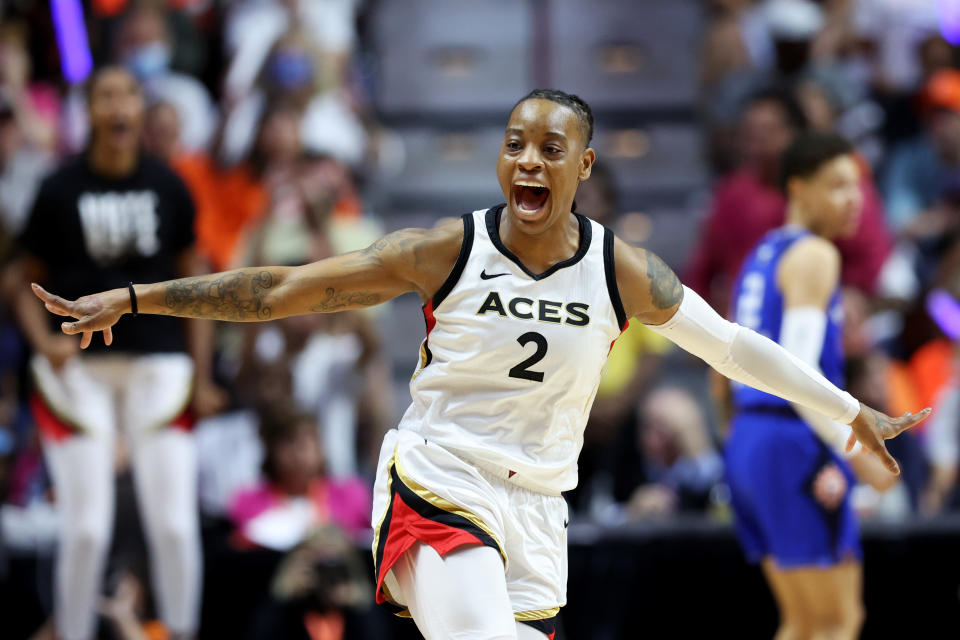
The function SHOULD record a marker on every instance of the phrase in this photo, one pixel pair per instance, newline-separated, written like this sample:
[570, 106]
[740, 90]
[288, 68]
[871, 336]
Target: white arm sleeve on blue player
[747, 357]
[802, 332]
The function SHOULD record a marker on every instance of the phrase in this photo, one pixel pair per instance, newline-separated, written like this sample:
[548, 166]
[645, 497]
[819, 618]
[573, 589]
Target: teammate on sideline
[522, 302]
[105, 217]
[791, 488]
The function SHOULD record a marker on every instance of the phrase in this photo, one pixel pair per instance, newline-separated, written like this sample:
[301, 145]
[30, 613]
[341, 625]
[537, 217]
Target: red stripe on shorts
[51, 427]
[185, 421]
[408, 527]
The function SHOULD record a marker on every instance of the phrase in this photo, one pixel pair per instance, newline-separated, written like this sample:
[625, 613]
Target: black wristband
[133, 300]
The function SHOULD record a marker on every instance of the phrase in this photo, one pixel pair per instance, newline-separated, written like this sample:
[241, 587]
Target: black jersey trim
[546, 626]
[493, 230]
[610, 268]
[465, 247]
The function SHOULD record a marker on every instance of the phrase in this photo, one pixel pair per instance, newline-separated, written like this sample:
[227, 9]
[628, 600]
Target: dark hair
[809, 152]
[575, 103]
[279, 424]
[91, 82]
[783, 99]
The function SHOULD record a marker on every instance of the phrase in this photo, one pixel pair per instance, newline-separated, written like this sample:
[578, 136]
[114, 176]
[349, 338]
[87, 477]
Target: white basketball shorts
[424, 493]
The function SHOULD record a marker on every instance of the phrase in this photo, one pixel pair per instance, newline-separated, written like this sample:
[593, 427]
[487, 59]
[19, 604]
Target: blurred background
[307, 128]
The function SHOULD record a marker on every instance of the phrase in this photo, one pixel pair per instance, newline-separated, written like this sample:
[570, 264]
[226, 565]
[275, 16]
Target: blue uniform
[773, 458]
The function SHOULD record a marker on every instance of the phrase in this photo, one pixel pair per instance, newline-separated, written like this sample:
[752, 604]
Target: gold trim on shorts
[538, 614]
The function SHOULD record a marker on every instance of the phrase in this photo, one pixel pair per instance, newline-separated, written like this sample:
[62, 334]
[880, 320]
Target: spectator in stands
[751, 44]
[941, 451]
[828, 108]
[873, 375]
[11, 356]
[124, 611]
[340, 375]
[21, 169]
[161, 131]
[679, 465]
[293, 229]
[300, 511]
[253, 27]
[878, 373]
[144, 47]
[36, 105]
[903, 120]
[292, 74]
[321, 591]
[24, 483]
[296, 495]
[314, 208]
[942, 442]
[727, 45]
[229, 199]
[894, 30]
[28, 114]
[336, 372]
[747, 204]
[923, 172]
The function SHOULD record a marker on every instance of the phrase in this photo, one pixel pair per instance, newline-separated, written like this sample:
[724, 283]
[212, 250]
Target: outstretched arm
[406, 260]
[652, 293]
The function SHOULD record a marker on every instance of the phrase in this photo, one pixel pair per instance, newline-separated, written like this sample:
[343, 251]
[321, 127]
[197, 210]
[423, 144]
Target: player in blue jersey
[788, 468]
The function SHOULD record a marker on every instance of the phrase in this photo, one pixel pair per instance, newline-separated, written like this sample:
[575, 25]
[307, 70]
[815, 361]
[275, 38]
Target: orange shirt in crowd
[931, 368]
[228, 202]
[902, 393]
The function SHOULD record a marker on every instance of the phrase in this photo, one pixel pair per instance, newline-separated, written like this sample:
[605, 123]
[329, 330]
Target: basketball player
[522, 302]
[791, 488]
[105, 217]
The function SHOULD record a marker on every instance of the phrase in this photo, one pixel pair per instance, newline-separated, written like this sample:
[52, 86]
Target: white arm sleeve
[802, 333]
[746, 356]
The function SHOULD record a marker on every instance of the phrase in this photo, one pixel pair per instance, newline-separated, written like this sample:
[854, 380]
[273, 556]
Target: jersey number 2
[522, 370]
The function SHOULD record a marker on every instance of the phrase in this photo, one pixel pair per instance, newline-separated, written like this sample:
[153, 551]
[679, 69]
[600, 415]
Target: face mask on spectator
[148, 60]
[290, 70]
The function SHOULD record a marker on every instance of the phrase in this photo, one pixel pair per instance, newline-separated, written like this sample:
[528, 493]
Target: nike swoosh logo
[565, 523]
[486, 276]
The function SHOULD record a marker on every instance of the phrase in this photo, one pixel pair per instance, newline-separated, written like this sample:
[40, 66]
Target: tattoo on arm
[252, 294]
[404, 252]
[337, 300]
[665, 288]
[232, 296]
[405, 242]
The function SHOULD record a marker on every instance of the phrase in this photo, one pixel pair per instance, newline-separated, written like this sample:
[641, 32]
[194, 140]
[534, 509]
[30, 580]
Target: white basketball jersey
[512, 359]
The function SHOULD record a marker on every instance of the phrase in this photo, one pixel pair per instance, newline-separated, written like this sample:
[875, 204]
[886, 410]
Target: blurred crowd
[260, 110]
[263, 108]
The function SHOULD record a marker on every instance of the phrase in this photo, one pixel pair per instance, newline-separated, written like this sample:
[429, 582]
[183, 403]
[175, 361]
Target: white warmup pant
[80, 409]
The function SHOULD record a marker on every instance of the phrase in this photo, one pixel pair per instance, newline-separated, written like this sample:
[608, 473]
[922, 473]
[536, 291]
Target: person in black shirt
[108, 217]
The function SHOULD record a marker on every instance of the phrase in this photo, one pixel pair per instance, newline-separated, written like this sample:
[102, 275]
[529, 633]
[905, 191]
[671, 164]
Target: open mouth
[529, 198]
[119, 127]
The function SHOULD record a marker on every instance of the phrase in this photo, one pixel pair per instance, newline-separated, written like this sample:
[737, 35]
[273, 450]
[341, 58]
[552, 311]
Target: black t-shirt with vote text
[95, 233]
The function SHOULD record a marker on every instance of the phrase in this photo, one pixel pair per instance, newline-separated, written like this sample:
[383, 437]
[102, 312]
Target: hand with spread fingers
[871, 428]
[98, 312]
